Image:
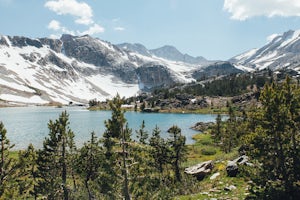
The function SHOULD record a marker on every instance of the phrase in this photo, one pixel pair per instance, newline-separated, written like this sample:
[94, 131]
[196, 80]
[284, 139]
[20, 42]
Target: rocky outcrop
[202, 126]
[24, 41]
[247, 97]
[54, 44]
[3, 41]
[200, 170]
[232, 167]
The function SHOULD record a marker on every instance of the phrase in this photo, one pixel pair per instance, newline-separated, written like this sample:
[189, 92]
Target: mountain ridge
[168, 52]
[77, 69]
[281, 52]
[80, 68]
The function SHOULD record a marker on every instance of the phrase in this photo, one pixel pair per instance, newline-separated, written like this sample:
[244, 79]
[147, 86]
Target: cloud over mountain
[82, 11]
[245, 9]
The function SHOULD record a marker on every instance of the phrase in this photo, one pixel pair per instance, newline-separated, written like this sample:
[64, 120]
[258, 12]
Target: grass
[202, 150]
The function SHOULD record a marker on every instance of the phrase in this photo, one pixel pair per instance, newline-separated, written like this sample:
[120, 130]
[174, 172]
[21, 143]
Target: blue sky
[215, 29]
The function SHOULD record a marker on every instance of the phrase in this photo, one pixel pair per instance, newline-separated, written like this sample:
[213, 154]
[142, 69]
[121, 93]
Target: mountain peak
[172, 53]
[136, 47]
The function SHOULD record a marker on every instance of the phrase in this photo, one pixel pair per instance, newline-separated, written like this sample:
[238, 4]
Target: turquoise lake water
[27, 125]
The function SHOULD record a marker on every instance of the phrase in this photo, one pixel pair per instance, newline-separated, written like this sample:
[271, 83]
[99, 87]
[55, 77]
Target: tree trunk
[86, 182]
[126, 188]
[2, 158]
[64, 169]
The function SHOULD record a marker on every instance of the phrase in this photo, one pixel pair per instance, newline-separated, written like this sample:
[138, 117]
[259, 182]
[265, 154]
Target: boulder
[214, 176]
[202, 126]
[200, 170]
[230, 188]
[232, 167]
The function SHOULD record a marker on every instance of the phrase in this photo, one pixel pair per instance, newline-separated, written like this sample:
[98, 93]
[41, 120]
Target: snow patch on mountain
[282, 51]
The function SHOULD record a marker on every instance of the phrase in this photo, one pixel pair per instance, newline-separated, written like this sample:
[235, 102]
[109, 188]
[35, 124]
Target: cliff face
[152, 75]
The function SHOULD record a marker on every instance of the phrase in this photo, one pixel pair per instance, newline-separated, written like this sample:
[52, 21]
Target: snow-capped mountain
[166, 52]
[77, 69]
[80, 68]
[283, 51]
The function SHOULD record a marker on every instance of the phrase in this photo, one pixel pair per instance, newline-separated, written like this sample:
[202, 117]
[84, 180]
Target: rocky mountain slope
[283, 51]
[77, 69]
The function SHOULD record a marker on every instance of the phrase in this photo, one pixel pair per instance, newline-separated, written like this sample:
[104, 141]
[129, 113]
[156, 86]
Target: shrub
[208, 151]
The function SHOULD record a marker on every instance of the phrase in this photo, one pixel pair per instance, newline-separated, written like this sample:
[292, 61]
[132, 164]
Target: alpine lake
[27, 125]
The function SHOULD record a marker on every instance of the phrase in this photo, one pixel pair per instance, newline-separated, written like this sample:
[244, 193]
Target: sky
[214, 29]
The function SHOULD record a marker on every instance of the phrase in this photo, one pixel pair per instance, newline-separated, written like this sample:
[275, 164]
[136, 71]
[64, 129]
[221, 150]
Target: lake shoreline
[27, 125]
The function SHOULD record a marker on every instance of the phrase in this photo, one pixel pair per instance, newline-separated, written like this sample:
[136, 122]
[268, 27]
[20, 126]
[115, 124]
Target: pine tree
[275, 143]
[88, 164]
[7, 166]
[159, 150]
[117, 131]
[217, 129]
[142, 135]
[178, 150]
[229, 135]
[27, 172]
[52, 161]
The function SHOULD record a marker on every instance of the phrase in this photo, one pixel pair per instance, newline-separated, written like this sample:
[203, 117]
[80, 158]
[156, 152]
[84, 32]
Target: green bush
[208, 151]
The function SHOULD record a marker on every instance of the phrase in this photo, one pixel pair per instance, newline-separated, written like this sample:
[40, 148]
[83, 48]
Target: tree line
[231, 85]
[112, 167]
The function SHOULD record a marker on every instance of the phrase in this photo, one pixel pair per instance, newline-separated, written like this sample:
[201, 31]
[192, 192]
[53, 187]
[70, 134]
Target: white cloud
[244, 9]
[119, 28]
[81, 10]
[54, 25]
[96, 28]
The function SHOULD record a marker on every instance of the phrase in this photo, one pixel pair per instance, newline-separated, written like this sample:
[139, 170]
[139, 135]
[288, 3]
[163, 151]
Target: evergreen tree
[178, 150]
[275, 143]
[142, 135]
[7, 167]
[88, 164]
[229, 136]
[159, 150]
[52, 161]
[117, 131]
[217, 129]
[27, 172]
[142, 178]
